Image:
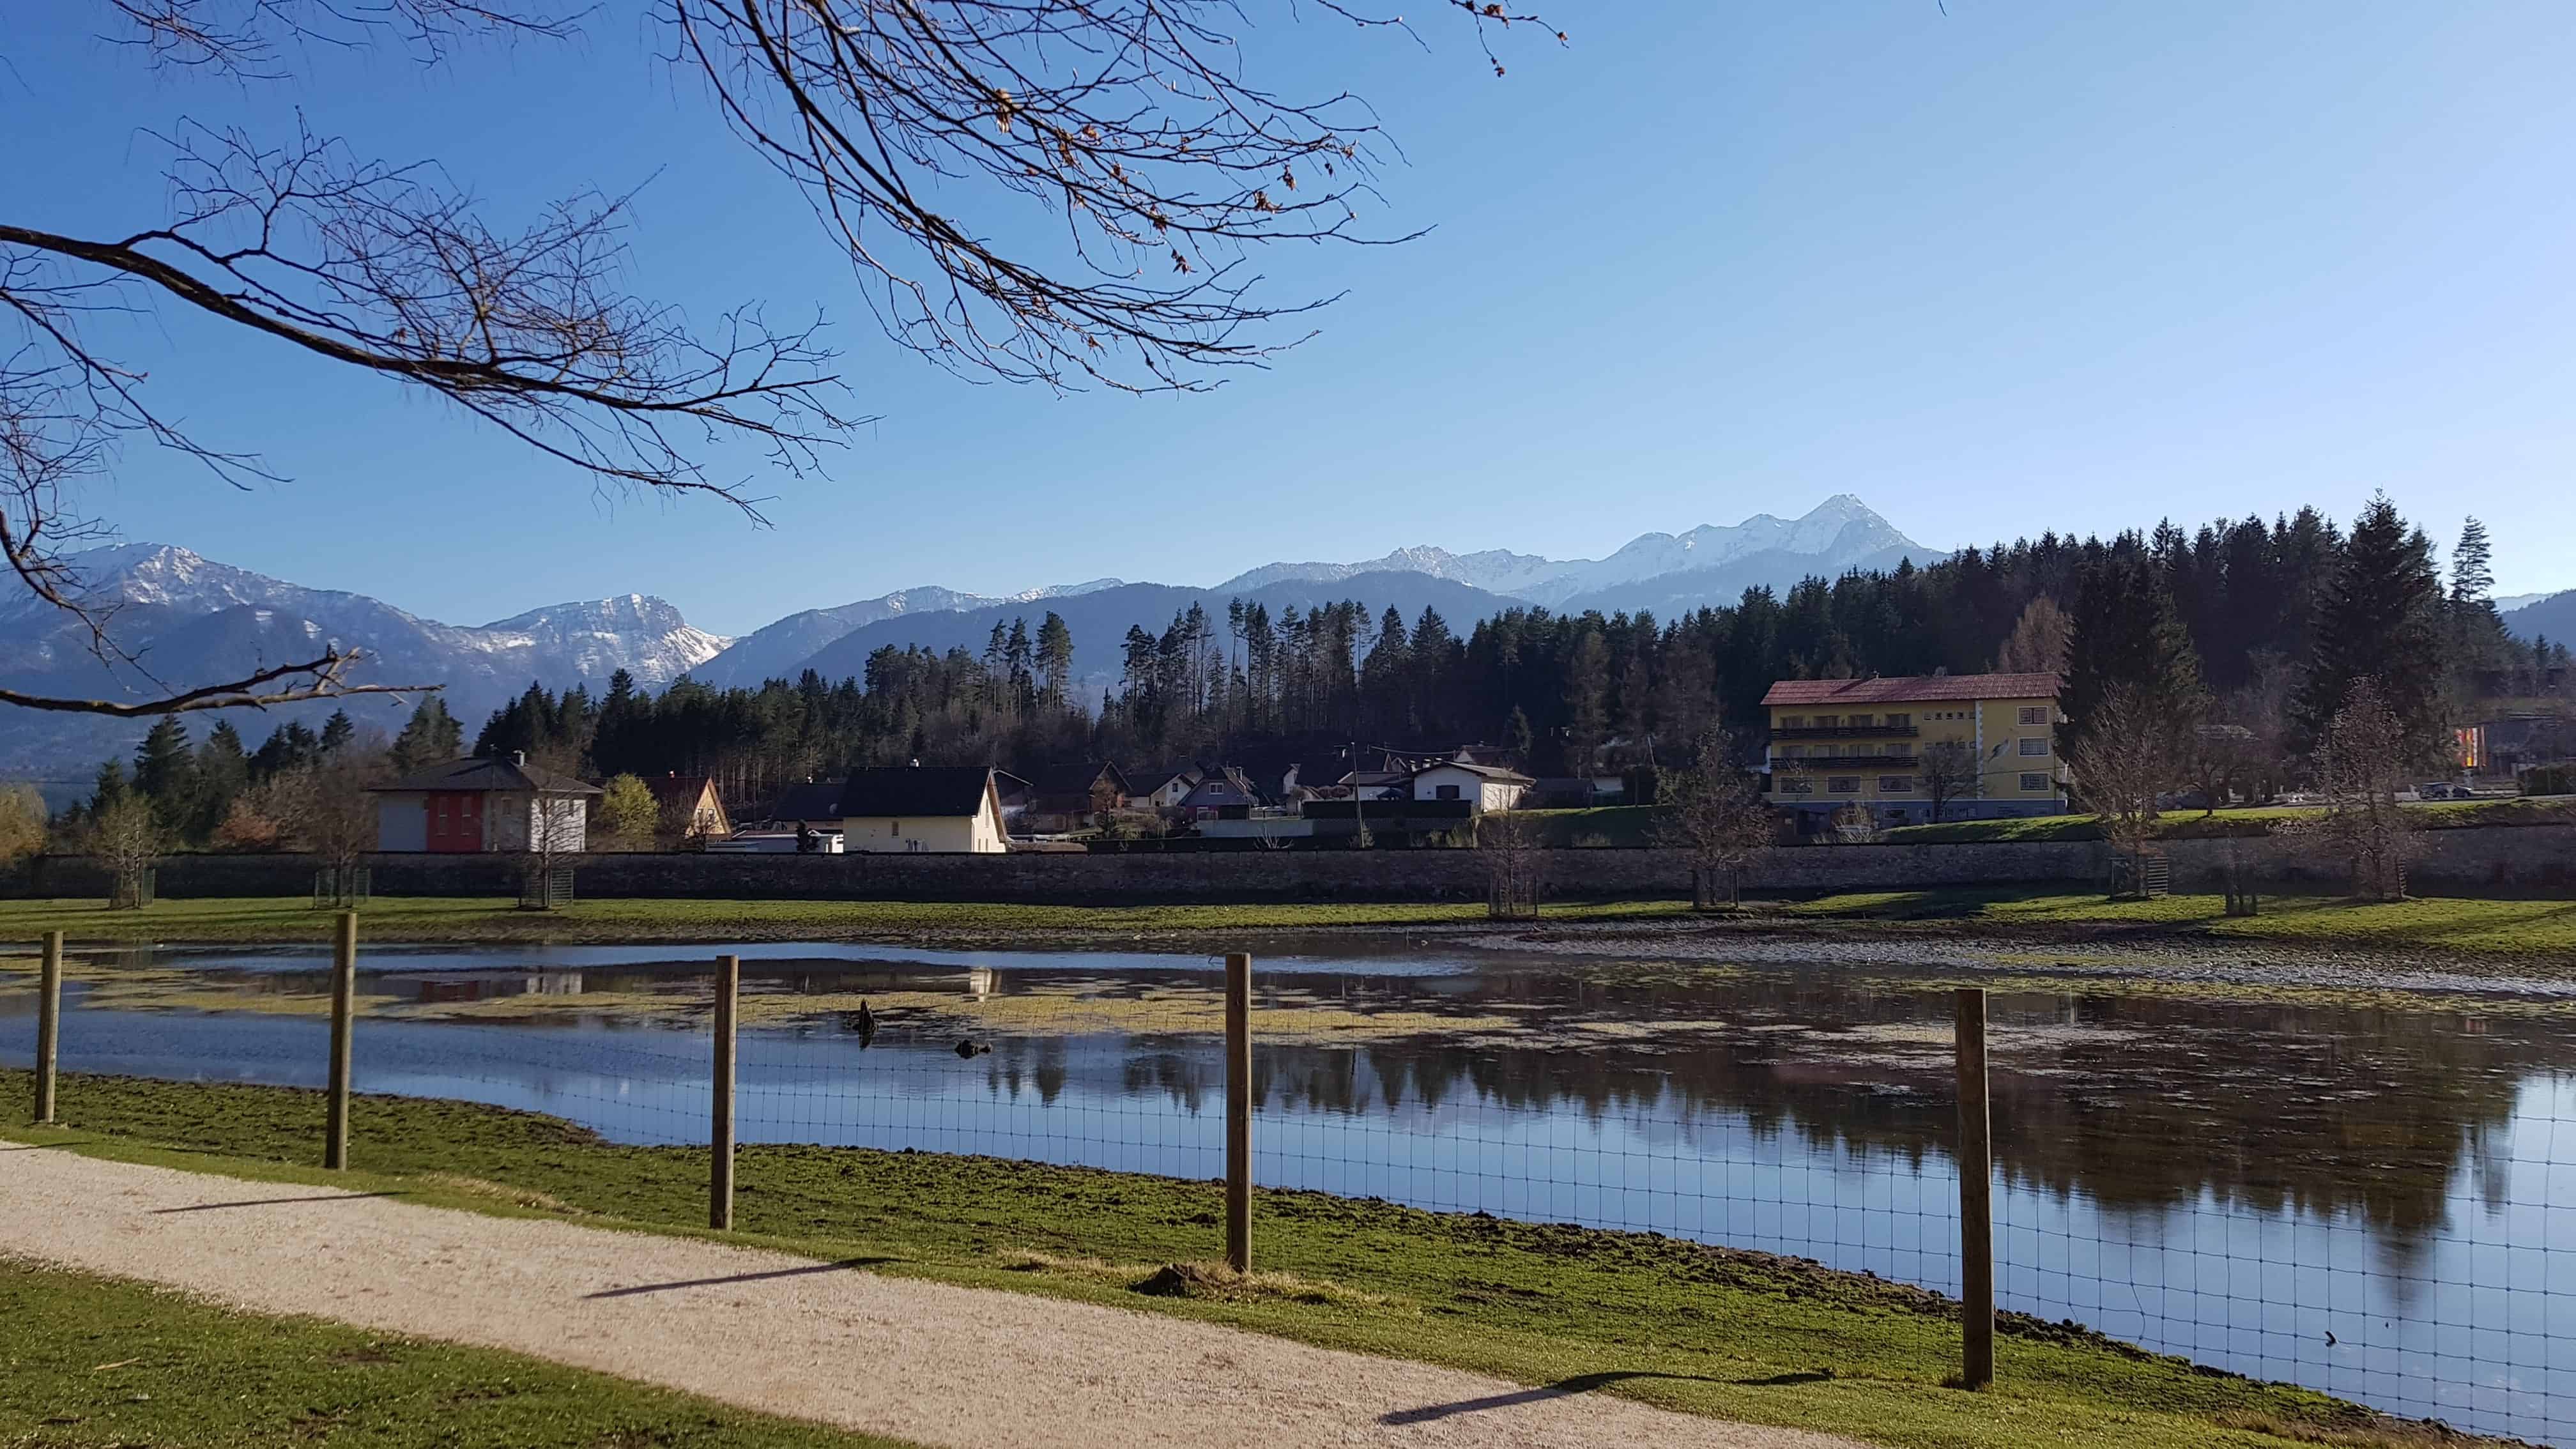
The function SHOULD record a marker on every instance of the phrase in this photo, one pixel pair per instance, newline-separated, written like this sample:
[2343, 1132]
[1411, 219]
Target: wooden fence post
[1976, 1197]
[344, 1003]
[720, 1137]
[1238, 1112]
[49, 1023]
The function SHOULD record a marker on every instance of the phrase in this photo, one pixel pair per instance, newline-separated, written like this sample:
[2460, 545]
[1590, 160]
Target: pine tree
[433, 736]
[165, 771]
[1055, 660]
[223, 773]
[2472, 579]
[2381, 617]
[2127, 638]
[337, 731]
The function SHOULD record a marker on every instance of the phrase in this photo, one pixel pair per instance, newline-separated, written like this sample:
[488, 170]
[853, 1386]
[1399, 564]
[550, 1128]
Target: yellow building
[1946, 746]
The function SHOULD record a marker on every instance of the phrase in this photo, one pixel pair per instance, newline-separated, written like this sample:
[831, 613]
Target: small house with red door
[484, 805]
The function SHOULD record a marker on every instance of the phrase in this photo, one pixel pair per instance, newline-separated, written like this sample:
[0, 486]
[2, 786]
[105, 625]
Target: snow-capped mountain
[1713, 563]
[189, 619]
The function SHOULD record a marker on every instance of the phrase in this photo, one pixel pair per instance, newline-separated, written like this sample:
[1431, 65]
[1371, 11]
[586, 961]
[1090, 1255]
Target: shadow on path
[207, 1207]
[1579, 1384]
[842, 1265]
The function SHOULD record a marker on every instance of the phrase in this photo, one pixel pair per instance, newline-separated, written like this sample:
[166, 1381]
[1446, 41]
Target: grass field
[1767, 1340]
[99, 1361]
[2200, 824]
[2470, 928]
[2477, 928]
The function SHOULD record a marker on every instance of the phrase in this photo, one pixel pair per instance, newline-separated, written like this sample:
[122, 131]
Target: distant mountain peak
[1826, 539]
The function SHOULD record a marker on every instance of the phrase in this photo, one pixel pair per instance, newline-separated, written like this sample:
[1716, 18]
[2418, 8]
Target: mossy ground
[1690, 1327]
[91, 1361]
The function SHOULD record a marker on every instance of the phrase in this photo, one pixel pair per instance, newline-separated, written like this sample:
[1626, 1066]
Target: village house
[1992, 740]
[1162, 790]
[1069, 797]
[490, 806]
[1483, 787]
[688, 806]
[922, 810]
[1214, 795]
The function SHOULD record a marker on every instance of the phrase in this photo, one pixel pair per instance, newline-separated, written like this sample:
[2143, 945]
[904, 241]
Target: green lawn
[2434, 923]
[100, 1361]
[2471, 927]
[1746, 1336]
[2201, 824]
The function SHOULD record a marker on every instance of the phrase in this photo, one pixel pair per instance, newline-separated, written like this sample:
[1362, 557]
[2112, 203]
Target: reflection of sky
[2473, 1321]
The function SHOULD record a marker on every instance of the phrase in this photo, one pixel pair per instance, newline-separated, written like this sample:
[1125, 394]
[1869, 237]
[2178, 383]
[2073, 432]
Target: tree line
[2262, 627]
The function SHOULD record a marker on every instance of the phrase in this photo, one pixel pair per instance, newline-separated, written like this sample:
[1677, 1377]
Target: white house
[484, 805]
[1484, 787]
[922, 810]
[1161, 789]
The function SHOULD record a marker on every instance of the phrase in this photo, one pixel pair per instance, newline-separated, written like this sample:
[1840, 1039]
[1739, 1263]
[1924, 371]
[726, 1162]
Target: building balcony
[1810, 764]
[1847, 732]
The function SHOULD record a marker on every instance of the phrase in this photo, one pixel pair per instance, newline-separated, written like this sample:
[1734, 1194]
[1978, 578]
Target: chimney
[519, 758]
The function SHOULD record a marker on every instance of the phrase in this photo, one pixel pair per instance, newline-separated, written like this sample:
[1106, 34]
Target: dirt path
[928, 1362]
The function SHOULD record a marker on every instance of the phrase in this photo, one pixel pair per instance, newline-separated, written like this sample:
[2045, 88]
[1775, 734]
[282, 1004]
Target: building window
[1448, 792]
[1797, 785]
[1901, 750]
[1843, 785]
[2034, 714]
[1793, 752]
[1896, 784]
[2034, 745]
[1860, 721]
[894, 827]
[1900, 721]
[1828, 721]
[2034, 783]
[1793, 721]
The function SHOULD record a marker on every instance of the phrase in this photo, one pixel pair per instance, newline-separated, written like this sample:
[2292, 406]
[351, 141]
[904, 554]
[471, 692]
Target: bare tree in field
[557, 833]
[1508, 842]
[2361, 765]
[1719, 816]
[2125, 761]
[1949, 771]
[325, 810]
[920, 132]
[129, 840]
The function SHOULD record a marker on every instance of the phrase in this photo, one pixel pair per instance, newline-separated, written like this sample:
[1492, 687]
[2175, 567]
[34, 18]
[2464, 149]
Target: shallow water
[2229, 1182]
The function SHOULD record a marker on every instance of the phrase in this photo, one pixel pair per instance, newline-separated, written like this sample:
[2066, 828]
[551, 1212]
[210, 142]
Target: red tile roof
[1907, 690]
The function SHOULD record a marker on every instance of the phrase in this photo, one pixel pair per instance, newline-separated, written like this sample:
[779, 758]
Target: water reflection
[2227, 1181]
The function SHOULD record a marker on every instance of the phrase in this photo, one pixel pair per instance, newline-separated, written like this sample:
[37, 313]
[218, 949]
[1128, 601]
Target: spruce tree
[2381, 617]
[165, 769]
[337, 731]
[2127, 636]
[433, 736]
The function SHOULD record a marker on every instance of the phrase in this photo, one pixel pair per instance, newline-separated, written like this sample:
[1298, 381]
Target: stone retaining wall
[2487, 860]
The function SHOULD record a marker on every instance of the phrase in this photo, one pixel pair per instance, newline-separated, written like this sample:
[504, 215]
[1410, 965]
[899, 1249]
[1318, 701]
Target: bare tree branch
[324, 679]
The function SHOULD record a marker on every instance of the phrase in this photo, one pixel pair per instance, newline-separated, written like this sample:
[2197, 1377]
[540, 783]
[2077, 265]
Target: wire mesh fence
[2385, 1217]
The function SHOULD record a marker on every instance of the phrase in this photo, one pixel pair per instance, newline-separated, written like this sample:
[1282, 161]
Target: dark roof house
[483, 777]
[927, 791]
[1912, 689]
[810, 803]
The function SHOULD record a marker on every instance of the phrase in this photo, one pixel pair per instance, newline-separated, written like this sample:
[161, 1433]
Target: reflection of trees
[2140, 1104]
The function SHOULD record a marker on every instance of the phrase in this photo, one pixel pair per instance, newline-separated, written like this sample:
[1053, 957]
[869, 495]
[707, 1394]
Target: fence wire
[2385, 1217]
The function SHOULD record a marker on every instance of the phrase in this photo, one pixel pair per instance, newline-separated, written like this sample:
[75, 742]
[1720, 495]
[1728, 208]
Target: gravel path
[928, 1362]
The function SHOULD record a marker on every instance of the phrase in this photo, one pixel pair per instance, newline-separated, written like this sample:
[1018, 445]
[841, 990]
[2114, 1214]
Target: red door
[455, 820]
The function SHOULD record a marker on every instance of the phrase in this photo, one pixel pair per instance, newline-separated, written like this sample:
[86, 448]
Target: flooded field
[2376, 1201]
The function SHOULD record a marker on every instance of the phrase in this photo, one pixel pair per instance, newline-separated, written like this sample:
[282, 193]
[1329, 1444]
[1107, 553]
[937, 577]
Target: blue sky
[2010, 268]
